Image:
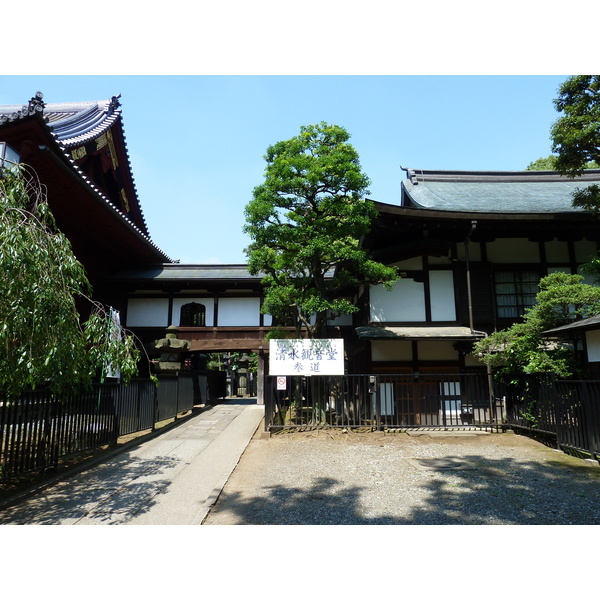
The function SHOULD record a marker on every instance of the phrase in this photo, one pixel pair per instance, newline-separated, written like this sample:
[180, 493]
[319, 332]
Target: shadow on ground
[108, 494]
[490, 492]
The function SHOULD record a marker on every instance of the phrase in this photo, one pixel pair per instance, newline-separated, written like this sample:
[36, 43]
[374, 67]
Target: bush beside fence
[566, 412]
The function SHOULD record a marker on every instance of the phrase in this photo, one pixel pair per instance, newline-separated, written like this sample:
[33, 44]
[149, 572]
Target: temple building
[471, 248]
[79, 154]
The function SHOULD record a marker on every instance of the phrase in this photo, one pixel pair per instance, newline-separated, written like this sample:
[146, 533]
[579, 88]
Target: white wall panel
[148, 312]
[592, 339]
[383, 350]
[404, 302]
[437, 351]
[513, 250]
[557, 251]
[585, 250]
[239, 312]
[441, 291]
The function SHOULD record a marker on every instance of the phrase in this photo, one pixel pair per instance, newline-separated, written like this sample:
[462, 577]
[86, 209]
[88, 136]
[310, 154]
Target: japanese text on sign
[306, 357]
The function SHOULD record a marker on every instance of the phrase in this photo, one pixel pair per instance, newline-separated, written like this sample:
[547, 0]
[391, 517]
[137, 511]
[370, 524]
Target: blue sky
[197, 142]
[415, 97]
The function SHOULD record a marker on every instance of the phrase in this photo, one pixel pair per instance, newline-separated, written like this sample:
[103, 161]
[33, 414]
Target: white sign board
[306, 357]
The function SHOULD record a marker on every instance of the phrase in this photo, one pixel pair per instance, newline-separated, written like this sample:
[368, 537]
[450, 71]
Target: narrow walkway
[173, 479]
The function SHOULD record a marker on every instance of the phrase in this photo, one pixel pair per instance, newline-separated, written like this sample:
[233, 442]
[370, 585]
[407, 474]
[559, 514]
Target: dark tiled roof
[170, 272]
[494, 192]
[78, 123]
[432, 333]
[589, 323]
[72, 123]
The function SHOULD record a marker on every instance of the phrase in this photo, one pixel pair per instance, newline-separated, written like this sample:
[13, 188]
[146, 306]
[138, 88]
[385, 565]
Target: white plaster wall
[557, 251]
[410, 264]
[513, 250]
[404, 302]
[473, 361]
[441, 291]
[585, 251]
[239, 312]
[340, 321]
[383, 350]
[148, 312]
[437, 351]
[592, 339]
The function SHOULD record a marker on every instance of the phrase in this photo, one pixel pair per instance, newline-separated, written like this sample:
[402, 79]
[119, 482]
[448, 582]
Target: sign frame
[289, 357]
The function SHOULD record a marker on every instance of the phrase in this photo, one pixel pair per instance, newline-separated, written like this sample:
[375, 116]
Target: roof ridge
[417, 175]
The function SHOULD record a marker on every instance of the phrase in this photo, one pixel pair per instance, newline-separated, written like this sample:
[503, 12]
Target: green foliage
[549, 164]
[220, 361]
[576, 134]
[562, 298]
[41, 338]
[306, 222]
[543, 164]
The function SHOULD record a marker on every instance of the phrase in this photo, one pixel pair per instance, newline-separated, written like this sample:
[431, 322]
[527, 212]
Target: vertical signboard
[306, 357]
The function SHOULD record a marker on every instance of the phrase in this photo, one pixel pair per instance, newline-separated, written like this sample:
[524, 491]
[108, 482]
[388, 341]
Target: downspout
[468, 264]
[490, 378]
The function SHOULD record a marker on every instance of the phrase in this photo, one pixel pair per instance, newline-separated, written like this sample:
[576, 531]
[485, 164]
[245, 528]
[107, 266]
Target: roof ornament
[114, 103]
[36, 104]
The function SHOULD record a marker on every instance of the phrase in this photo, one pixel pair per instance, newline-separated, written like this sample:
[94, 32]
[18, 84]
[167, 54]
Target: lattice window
[515, 292]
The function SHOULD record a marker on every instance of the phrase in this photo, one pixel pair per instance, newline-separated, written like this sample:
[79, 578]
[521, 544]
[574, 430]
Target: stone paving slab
[172, 479]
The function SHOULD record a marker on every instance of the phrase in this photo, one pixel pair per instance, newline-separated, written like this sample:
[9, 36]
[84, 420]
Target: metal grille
[381, 401]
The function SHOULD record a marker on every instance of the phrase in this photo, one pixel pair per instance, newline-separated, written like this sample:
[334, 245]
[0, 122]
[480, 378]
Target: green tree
[549, 164]
[42, 338]
[306, 222]
[576, 134]
[562, 298]
[543, 164]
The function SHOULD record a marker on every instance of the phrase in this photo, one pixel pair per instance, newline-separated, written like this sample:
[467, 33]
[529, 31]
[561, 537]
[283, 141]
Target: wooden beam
[251, 345]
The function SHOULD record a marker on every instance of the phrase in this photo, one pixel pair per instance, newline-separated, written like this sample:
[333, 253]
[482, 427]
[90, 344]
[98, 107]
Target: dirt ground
[331, 477]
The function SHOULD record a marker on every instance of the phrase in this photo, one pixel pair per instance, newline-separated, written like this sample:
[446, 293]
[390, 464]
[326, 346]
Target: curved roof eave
[67, 163]
[433, 213]
[86, 125]
[73, 124]
[529, 193]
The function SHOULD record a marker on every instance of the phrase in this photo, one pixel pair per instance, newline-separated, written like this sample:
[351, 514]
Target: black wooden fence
[37, 429]
[565, 412]
[382, 402]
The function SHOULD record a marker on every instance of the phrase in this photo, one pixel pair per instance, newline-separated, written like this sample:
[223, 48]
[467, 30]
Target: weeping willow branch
[43, 340]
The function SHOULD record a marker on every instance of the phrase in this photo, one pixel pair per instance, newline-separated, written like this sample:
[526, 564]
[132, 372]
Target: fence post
[155, 418]
[177, 388]
[554, 396]
[490, 379]
[375, 390]
[586, 415]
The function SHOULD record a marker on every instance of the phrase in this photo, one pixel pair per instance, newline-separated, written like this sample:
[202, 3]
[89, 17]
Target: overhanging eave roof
[576, 326]
[423, 333]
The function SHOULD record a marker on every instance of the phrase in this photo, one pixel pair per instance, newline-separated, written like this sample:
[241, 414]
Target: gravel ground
[336, 478]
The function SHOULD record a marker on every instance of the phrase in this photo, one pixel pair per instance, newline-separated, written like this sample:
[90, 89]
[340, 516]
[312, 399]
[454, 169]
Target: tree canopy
[306, 221]
[562, 298]
[543, 164]
[576, 134]
[42, 338]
